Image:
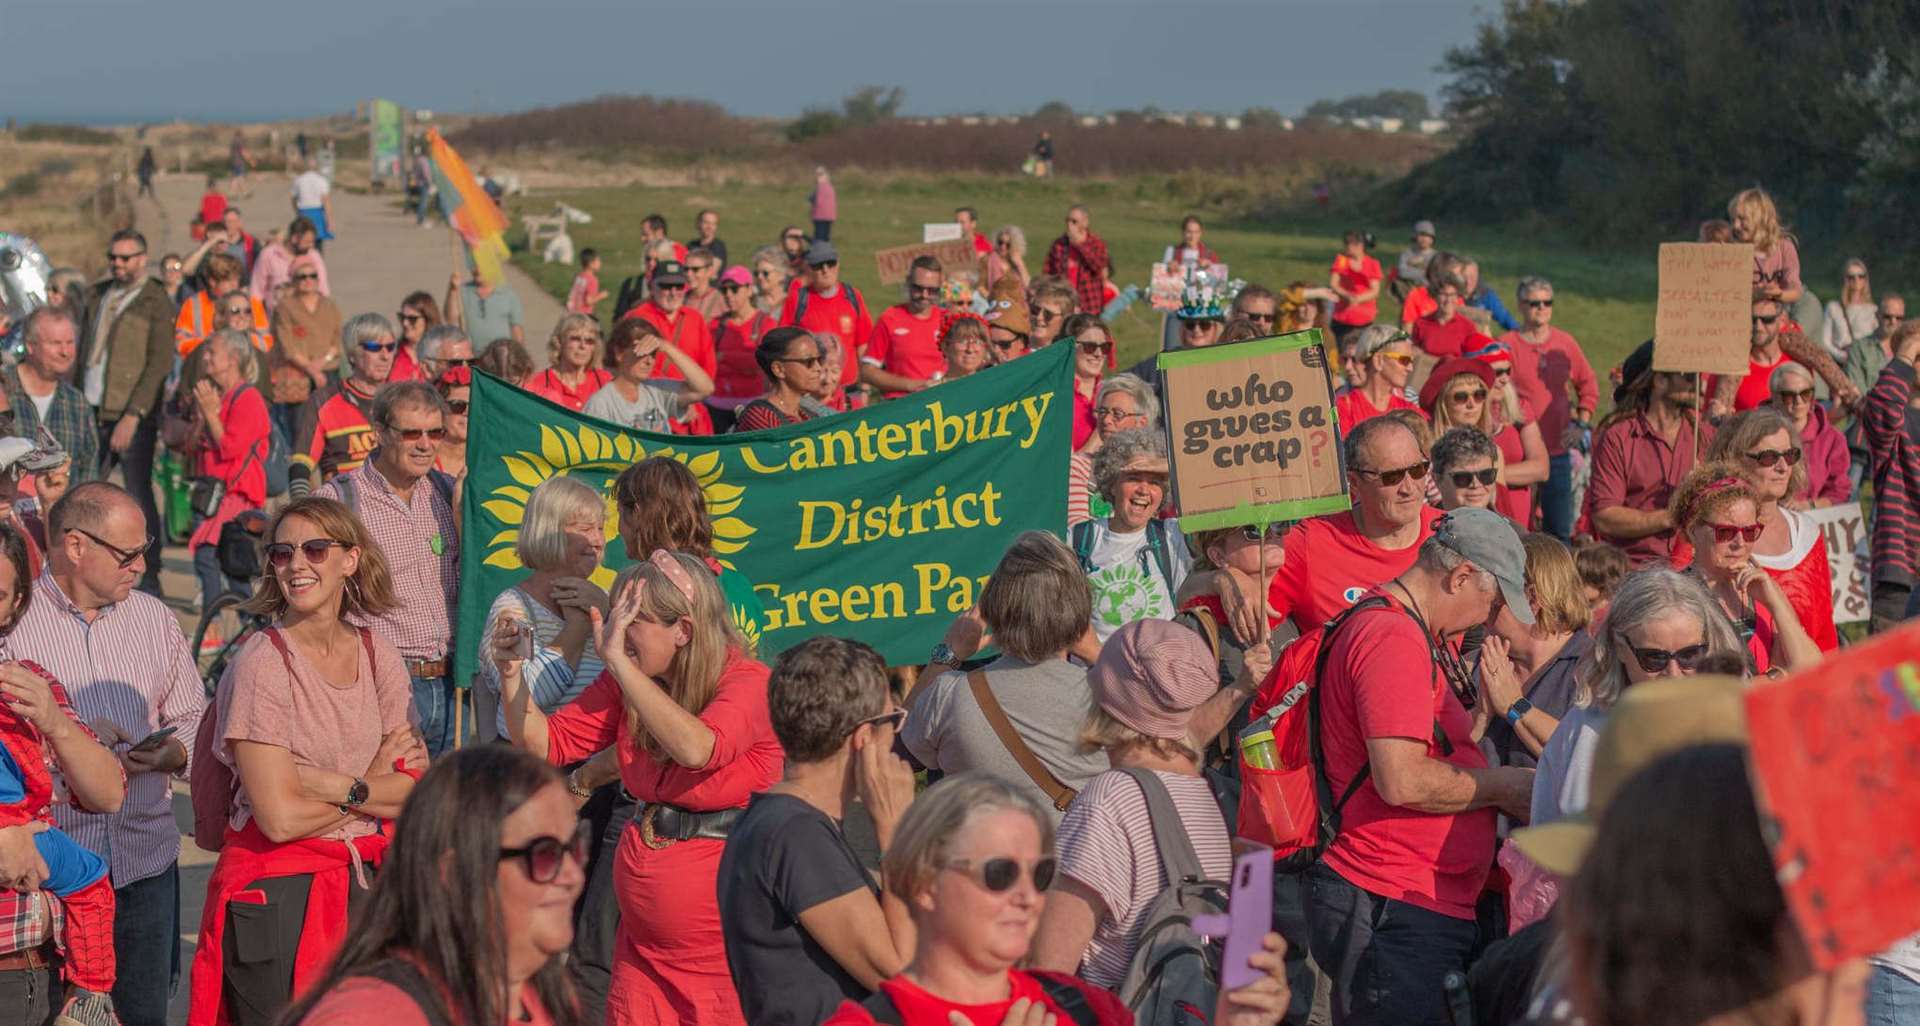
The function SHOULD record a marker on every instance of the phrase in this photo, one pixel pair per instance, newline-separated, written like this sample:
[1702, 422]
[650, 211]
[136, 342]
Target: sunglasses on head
[1724, 533]
[543, 856]
[1655, 660]
[280, 554]
[1465, 478]
[999, 875]
[379, 347]
[1768, 457]
[1393, 477]
[1478, 395]
[1274, 532]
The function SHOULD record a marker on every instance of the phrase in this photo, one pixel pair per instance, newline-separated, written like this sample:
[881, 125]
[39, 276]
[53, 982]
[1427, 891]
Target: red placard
[1836, 753]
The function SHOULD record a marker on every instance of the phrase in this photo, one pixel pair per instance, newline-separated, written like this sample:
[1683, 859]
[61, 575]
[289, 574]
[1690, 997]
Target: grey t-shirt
[491, 317]
[656, 408]
[1046, 702]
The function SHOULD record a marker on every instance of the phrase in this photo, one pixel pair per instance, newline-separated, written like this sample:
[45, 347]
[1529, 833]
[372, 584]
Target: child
[586, 292]
[1601, 567]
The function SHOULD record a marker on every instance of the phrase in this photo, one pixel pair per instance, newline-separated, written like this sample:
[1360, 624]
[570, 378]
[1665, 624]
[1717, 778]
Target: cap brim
[1558, 847]
[1516, 595]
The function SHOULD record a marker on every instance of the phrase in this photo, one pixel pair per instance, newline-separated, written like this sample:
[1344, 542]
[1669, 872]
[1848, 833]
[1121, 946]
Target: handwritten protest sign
[940, 231]
[954, 254]
[1835, 751]
[1844, 530]
[1253, 435]
[1706, 297]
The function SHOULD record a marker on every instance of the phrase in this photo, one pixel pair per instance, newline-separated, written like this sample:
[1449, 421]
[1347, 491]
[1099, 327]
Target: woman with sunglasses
[1661, 623]
[1093, 354]
[1008, 259]
[1826, 471]
[1853, 317]
[772, 270]
[972, 862]
[473, 910]
[1122, 403]
[1717, 510]
[1790, 548]
[1462, 392]
[1388, 355]
[315, 719]
[793, 365]
[573, 371]
[456, 387]
[306, 332]
[229, 453]
[685, 708]
[418, 315]
[737, 377]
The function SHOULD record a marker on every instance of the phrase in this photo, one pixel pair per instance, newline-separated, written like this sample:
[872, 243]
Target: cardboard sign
[1844, 530]
[954, 255]
[1835, 751]
[940, 231]
[1702, 321]
[1252, 432]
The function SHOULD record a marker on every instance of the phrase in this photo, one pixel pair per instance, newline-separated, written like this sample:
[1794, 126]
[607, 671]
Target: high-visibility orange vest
[200, 318]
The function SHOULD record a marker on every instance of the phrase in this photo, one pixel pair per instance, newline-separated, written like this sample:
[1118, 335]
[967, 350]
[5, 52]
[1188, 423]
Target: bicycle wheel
[223, 626]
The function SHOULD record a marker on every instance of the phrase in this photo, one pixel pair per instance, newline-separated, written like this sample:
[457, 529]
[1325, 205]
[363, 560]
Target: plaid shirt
[69, 419]
[1082, 265]
[29, 919]
[422, 547]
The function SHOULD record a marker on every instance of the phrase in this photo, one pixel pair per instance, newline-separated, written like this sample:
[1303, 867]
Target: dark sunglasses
[416, 434]
[730, 288]
[1757, 319]
[924, 290]
[1768, 457]
[1092, 348]
[458, 407]
[1264, 318]
[121, 258]
[458, 361]
[1275, 532]
[1856, 276]
[1000, 874]
[1041, 313]
[825, 263]
[542, 856]
[379, 347]
[1724, 533]
[809, 361]
[1393, 477]
[409, 318]
[1804, 395]
[670, 286]
[124, 557]
[1548, 303]
[1655, 660]
[306, 277]
[280, 554]
[1478, 395]
[1465, 478]
[237, 311]
[1005, 343]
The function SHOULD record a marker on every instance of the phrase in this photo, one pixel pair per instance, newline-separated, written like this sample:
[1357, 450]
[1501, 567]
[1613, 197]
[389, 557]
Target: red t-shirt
[1418, 304]
[548, 385]
[903, 344]
[836, 315]
[1352, 406]
[738, 376]
[1513, 502]
[686, 329]
[1753, 389]
[362, 999]
[1329, 564]
[1444, 340]
[1355, 277]
[919, 1008]
[1374, 687]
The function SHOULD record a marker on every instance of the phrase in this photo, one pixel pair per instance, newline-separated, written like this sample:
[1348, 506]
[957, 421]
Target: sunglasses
[1768, 457]
[458, 361]
[824, 264]
[1005, 343]
[237, 311]
[409, 318]
[416, 434]
[121, 258]
[1724, 533]
[1655, 660]
[730, 288]
[280, 554]
[1465, 478]
[1856, 276]
[999, 875]
[123, 557]
[542, 856]
[306, 277]
[806, 361]
[379, 347]
[1804, 395]
[1757, 319]
[670, 286]
[1261, 318]
[1403, 359]
[1418, 472]
[1895, 318]
[458, 407]
[1547, 303]
[923, 290]
[1041, 313]
[1478, 395]
[1095, 348]
[765, 272]
[1274, 532]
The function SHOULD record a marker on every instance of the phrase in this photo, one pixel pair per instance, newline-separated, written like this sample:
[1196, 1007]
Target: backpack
[1082, 537]
[1174, 977]
[1060, 989]
[853, 297]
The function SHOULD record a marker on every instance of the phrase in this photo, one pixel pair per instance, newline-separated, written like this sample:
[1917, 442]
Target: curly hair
[1121, 448]
[1708, 489]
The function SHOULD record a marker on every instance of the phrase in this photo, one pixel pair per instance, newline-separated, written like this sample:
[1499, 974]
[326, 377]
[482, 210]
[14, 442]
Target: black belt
[662, 825]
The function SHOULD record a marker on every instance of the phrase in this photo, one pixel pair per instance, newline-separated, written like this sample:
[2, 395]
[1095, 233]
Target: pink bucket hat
[1151, 675]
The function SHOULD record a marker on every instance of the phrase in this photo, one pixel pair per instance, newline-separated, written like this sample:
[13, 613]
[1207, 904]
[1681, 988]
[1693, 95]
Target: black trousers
[31, 997]
[136, 465]
[596, 915]
[257, 953]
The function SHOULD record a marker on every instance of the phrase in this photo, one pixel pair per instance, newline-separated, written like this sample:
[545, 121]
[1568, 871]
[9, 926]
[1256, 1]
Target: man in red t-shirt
[1445, 334]
[824, 305]
[969, 221]
[903, 352]
[1727, 395]
[666, 309]
[1391, 905]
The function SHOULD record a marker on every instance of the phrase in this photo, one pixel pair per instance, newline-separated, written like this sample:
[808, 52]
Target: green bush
[79, 135]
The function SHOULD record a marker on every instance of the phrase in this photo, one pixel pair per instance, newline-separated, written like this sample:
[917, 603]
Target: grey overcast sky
[130, 60]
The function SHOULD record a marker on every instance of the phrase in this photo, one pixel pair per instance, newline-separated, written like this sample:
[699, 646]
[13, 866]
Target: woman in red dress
[686, 708]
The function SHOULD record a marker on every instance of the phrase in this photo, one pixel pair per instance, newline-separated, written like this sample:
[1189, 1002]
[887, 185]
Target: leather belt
[427, 667]
[32, 958]
[663, 825]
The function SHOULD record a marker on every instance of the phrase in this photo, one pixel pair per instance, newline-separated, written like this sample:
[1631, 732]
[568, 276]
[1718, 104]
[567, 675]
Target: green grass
[1604, 299]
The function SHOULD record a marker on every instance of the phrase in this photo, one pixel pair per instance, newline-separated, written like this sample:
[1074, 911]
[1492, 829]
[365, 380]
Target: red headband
[674, 572]
[1716, 485]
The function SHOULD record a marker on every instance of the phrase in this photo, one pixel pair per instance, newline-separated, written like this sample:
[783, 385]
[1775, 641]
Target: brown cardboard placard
[1706, 299]
[954, 255]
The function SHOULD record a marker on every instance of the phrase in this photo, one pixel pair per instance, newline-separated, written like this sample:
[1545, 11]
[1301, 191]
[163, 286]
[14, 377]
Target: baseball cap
[822, 252]
[1652, 719]
[1489, 542]
[1424, 228]
[28, 456]
[669, 272]
[1151, 675]
[736, 275]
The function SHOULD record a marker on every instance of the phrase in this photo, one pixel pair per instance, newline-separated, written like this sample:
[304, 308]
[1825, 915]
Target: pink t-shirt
[1779, 266]
[322, 724]
[586, 285]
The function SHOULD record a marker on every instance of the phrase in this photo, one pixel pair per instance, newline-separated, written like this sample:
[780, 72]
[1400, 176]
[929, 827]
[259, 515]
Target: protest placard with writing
[1843, 529]
[1706, 297]
[1252, 429]
[1835, 751]
[955, 255]
[940, 231]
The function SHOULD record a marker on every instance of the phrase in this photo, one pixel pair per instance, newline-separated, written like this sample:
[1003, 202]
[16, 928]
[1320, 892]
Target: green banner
[879, 525]
[385, 143]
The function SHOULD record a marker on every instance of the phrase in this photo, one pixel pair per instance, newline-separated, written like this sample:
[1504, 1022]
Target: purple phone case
[1248, 920]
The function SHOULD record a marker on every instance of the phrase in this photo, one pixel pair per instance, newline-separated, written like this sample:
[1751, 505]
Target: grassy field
[1604, 299]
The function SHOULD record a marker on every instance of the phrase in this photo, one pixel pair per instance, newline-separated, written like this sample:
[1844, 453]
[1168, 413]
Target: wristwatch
[943, 654]
[356, 795]
[1520, 708]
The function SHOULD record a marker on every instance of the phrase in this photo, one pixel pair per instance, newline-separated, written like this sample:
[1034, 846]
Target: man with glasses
[38, 396]
[442, 348]
[123, 364]
[1868, 357]
[1258, 304]
[334, 431]
[487, 310]
[825, 305]
[667, 310]
[125, 665]
[407, 507]
[273, 269]
[1764, 356]
[1548, 364]
[1080, 256]
[903, 352]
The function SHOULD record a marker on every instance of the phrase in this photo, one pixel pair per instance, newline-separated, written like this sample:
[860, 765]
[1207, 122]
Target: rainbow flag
[468, 208]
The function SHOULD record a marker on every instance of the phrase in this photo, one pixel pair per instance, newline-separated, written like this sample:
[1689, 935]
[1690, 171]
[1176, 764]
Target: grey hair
[1119, 449]
[366, 327]
[662, 249]
[1436, 557]
[1135, 389]
[769, 254]
[1530, 283]
[434, 338]
[1462, 445]
[1373, 338]
[1646, 596]
[940, 815]
[30, 328]
[542, 544]
[241, 347]
[1362, 434]
[392, 396]
[1013, 233]
[1785, 371]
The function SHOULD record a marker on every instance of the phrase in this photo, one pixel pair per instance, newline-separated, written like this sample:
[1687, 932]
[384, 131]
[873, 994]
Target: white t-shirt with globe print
[1126, 580]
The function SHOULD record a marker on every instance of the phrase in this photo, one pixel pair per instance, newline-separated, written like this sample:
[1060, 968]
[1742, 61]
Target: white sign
[1844, 529]
[946, 232]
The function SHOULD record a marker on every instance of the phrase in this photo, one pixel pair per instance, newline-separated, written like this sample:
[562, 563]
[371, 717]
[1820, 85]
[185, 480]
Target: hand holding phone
[1249, 917]
[154, 741]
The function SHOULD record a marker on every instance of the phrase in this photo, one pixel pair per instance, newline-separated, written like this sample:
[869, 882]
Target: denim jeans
[1386, 958]
[1893, 998]
[1556, 497]
[146, 943]
[30, 997]
[213, 580]
[435, 698]
[823, 231]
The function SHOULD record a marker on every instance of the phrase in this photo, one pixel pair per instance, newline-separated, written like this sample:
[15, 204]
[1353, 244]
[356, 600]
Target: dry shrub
[686, 126]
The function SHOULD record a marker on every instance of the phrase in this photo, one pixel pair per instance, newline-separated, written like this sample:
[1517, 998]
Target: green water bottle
[1259, 750]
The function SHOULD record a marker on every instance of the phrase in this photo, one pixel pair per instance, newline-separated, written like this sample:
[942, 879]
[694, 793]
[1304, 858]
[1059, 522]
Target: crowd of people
[1530, 630]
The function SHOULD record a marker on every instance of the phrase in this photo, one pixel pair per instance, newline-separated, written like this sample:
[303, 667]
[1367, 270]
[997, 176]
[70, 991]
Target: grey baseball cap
[1489, 541]
[1424, 228]
[821, 252]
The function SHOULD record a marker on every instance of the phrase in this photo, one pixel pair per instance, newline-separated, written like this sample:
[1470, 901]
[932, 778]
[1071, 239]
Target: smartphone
[153, 741]
[1248, 920]
[524, 647]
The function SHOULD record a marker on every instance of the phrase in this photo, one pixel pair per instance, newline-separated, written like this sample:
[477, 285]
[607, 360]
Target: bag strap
[1157, 544]
[1065, 994]
[1209, 628]
[1177, 858]
[880, 1005]
[1015, 745]
[1081, 534]
[280, 646]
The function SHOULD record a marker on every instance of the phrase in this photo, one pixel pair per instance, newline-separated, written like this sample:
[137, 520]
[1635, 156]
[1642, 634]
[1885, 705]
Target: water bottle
[1259, 750]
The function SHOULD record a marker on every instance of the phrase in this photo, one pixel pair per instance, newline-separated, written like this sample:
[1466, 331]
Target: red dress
[670, 964]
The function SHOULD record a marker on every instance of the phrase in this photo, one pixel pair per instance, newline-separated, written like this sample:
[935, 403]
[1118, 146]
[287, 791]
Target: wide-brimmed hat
[1151, 675]
[1446, 372]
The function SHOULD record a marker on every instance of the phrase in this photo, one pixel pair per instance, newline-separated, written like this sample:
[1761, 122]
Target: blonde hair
[1442, 419]
[1415, 423]
[1763, 218]
[1559, 604]
[542, 544]
[368, 591]
[1102, 732]
[1855, 292]
[693, 676]
[567, 324]
[941, 814]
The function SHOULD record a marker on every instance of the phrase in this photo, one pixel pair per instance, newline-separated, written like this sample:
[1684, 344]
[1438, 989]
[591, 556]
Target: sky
[130, 60]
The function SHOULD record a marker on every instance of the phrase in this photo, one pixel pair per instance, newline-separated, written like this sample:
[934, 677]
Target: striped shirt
[1106, 843]
[422, 548]
[130, 665]
[1892, 431]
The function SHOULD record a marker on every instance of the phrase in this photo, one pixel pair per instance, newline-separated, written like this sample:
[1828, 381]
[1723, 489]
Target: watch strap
[943, 654]
[1520, 708]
